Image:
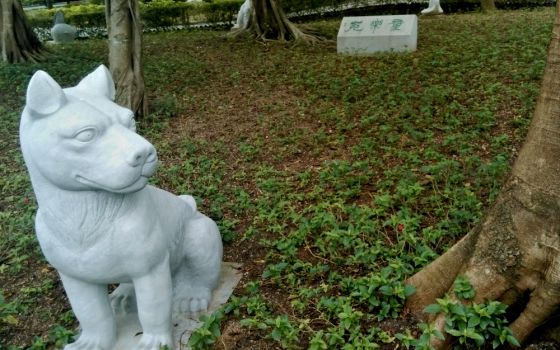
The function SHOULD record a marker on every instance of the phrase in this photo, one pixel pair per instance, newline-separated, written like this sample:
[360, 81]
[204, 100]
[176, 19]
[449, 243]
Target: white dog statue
[243, 16]
[434, 8]
[99, 222]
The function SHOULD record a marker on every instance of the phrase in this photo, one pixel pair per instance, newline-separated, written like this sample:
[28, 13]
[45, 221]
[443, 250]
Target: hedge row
[39, 2]
[165, 13]
[154, 14]
[300, 8]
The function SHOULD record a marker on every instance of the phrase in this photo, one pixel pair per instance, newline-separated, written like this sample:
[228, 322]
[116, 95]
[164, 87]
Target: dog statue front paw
[89, 343]
[155, 342]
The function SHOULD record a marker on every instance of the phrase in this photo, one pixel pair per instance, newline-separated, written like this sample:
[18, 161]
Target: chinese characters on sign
[374, 24]
[396, 24]
[354, 25]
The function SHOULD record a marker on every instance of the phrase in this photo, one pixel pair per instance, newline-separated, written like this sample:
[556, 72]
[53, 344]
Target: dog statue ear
[44, 95]
[99, 82]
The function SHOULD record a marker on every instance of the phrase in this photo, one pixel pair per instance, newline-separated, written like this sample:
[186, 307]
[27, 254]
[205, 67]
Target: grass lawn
[332, 178]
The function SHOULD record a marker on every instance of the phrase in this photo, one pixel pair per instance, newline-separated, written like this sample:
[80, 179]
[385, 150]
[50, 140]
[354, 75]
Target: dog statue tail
[190, 201]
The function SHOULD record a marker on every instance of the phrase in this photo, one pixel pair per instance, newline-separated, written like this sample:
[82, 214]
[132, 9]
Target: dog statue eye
[86, 135]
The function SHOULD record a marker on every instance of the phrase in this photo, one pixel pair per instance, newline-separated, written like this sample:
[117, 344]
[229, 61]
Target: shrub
[79, 15]
[223, 11]
[154, 14]
[164, 13]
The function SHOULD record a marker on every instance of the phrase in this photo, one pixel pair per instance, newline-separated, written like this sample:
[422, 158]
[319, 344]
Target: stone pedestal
[370, 34]
[129, 329]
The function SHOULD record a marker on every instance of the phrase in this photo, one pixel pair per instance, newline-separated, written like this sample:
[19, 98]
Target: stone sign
[370, 34]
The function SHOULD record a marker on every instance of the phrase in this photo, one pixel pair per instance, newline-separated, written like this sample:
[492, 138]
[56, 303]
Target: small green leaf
[473, 321]
[386, 290]
[437, 334]
[511, 339]
[432, 309]
[457, 309]
[454, 332]
[479, 339]
[409, 289]
[10, 319]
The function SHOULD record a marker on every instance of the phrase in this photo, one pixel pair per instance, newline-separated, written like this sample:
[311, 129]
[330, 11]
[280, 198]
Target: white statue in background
[99, 222]
[243, 15]
[434, 8]
[62, 32]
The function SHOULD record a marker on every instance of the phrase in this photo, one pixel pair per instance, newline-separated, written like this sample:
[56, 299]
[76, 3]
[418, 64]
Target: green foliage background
[164, 13]
[333, 177]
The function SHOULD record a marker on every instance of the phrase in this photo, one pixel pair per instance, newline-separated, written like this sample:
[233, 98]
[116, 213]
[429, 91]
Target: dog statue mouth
[136, 184]
[149, 168]
[139, 183]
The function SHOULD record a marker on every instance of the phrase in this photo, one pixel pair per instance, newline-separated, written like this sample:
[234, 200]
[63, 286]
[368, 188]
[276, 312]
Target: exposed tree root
[297, 36]
[18, 41]
[437, 278]
[516, 249]
[543, 303]
[268, 22]
[510, 253]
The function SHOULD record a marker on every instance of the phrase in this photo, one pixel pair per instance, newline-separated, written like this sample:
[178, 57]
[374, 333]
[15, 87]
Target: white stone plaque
[370, 34]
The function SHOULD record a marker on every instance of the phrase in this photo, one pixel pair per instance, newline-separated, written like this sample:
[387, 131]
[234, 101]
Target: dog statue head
[79, 139]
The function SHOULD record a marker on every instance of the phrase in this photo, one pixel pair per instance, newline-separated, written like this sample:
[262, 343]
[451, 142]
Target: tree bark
[487, 5]
[19, 42]
[125, 53]
[269, 22]
[516, 248]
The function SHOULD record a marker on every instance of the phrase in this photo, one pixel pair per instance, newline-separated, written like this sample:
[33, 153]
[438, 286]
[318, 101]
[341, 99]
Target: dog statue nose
[152, 155]
[142, 155]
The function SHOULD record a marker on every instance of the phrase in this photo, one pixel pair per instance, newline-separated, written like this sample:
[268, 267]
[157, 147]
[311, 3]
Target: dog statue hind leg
[199, 273]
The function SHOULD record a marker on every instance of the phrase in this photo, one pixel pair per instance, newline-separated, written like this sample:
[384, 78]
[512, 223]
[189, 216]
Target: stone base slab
[129, 329]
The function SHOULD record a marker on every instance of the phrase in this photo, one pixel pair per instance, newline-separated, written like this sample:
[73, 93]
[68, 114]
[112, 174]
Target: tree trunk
[125, 53]
[516, 248]
[19, 42]
[269, 22]
[487, 5]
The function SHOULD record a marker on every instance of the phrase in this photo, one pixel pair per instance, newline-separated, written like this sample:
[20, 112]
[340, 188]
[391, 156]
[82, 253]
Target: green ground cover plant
[332, 178]
[471, 325]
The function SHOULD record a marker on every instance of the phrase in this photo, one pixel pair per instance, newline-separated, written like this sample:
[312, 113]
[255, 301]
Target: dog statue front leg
[154, 298]
[90, 303]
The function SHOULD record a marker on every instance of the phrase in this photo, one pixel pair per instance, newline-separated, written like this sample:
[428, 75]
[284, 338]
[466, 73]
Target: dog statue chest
[86, 242]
